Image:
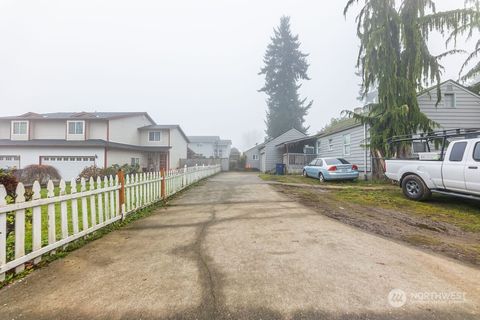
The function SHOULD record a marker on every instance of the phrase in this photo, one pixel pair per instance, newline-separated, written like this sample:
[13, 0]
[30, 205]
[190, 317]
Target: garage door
[68, 167]
[9, 161]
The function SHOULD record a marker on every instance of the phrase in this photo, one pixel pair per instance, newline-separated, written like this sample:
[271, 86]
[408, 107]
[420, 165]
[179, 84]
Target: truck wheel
[415, 189]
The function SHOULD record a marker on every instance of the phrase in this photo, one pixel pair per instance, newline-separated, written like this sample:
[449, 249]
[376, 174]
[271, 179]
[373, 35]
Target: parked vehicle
[327, 169]
[456, 172]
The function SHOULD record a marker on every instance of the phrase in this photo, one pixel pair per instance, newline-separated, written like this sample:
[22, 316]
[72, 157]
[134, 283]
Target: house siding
[357, 149]
[5, 129]
[164, 138]
[179, 148]
[125, 130]
[269, 154]
[250, 163]
[465, 114]
[122, 157]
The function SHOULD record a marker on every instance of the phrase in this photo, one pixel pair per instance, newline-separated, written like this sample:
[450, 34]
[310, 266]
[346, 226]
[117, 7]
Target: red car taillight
[332, 168]
[354, 167]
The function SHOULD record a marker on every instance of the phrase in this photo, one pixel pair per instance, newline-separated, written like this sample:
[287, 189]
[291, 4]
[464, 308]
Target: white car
[458, 174]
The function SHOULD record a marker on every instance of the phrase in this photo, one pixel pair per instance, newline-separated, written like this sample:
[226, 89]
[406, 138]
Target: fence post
[184, 182]
[163, 192]
[121, 198]
[3, 231]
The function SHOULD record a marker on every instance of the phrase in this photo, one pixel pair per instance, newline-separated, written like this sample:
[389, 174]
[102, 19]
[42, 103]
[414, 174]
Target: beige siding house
[72, 141]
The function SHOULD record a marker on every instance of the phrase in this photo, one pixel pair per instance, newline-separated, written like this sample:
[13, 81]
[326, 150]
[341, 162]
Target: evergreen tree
[394, 58]
[285, 66]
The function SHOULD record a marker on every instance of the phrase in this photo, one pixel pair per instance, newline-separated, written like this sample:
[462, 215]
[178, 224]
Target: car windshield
[335, 161]
[313, 163]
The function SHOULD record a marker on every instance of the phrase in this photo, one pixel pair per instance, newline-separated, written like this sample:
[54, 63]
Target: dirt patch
[397, 223]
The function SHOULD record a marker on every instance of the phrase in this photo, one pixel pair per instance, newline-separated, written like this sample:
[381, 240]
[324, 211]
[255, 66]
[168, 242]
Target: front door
[472, 170]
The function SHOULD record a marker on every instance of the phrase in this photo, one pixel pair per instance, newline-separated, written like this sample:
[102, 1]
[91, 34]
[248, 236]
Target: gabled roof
[77, 116]
[452, 82]
[342, 125]
[166, 126]
[262, 145]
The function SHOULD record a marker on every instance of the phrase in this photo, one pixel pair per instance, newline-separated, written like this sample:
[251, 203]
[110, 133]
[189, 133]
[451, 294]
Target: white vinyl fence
[56, 216]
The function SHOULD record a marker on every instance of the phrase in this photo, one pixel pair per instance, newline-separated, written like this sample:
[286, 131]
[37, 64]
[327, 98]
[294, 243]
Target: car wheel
[415, 189]
[321, 178]
[304, 173]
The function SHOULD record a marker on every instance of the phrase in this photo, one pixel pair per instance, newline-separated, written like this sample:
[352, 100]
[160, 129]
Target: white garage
[9, 161]
[68, 167]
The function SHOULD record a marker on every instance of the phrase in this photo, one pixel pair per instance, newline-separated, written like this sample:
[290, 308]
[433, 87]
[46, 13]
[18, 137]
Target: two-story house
[210, 146]
[72, 141]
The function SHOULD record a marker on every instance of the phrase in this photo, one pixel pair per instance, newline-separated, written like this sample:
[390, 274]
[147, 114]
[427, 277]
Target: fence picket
[100, 202]
[63, 210]
[112, 199]
[20, 227]
[117, 196]
[36, 221]
[93, 205]
[73, 190]
[83, 189]
[127, 192]
[52, 236]
[106, 200]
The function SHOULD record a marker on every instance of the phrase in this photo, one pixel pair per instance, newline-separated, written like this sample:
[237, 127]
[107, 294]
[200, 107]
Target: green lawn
[44, 219]
[462, 213]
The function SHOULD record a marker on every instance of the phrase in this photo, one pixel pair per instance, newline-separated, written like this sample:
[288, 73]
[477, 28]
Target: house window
[255, 157]
[346, 144]
[319, 146]
[449, 100]
[76, 127]
[135, 161]
[330, 144]
[20, 127]
[154, 136]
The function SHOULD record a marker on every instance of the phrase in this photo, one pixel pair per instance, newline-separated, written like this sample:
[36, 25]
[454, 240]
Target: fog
[193, 63]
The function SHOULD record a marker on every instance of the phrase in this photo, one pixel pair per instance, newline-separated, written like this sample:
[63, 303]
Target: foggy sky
[193, 63]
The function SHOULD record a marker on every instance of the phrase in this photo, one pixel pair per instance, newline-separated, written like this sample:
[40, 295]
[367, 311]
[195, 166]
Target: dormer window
[19, 130]
[154, 136]
[75, 130]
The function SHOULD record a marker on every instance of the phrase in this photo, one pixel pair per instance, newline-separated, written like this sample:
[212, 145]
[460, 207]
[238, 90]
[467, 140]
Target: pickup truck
[456, 173]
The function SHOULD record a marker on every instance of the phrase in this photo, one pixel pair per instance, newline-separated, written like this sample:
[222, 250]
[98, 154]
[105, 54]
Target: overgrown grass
[298, 179]
[462, 213]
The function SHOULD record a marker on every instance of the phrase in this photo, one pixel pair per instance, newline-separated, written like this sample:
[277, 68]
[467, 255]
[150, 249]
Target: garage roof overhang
[52, 143]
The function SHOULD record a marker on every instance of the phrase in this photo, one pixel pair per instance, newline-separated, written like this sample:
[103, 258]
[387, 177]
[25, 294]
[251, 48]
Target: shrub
[92, 171]
[40, 173]
[9, 181]
[95, 172]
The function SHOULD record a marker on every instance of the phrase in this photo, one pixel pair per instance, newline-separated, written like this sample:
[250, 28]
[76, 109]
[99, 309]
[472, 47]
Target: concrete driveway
[233, 248]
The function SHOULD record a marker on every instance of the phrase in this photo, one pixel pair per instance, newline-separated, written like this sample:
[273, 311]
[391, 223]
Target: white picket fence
[81, 209]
